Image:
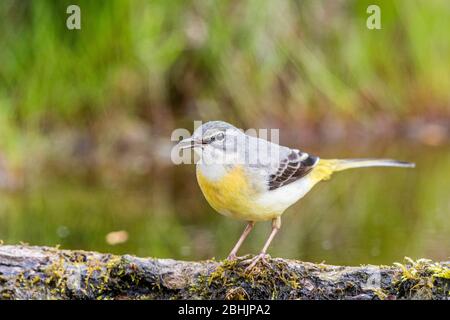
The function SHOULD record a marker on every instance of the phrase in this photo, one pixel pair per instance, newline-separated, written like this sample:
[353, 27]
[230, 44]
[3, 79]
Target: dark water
[376, 215]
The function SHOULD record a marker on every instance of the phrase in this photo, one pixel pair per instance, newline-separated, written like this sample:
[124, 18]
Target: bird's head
[215, 141]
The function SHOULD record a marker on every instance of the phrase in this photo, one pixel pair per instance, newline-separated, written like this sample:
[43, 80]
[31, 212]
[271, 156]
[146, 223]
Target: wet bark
[28, 272]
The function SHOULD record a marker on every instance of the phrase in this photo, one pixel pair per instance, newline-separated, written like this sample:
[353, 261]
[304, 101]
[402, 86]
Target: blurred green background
[86, 117]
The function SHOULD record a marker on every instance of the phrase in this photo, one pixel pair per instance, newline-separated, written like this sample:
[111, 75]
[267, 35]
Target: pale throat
[212, 172]
[213, 165]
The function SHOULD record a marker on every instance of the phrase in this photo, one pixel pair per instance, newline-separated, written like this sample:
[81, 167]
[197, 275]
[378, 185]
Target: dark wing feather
[293, 167]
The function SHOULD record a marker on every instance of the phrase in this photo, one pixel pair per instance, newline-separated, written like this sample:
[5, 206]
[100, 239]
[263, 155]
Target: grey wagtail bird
[252, 179]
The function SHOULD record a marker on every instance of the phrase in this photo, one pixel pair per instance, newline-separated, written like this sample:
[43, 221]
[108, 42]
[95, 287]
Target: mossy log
[28, 272]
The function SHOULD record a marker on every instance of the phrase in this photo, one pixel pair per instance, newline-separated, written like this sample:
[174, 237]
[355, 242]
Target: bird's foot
[260, 257]
[233, 257]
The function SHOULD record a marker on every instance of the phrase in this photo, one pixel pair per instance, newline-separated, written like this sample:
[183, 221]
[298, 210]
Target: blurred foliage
[223, 59]
[85, 117]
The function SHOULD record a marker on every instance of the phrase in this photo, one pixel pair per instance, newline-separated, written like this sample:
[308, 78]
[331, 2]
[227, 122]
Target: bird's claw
[260, 257]
[233, 257]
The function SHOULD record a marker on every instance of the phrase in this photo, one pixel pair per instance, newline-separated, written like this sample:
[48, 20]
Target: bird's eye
[220, 136]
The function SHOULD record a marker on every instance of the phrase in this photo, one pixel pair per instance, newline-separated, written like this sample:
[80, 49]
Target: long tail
[344, 164]
[326, 167]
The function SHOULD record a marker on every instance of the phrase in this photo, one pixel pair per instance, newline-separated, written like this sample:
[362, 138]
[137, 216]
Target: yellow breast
[232, 195]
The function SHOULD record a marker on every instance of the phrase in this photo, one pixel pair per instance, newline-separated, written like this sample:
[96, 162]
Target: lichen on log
[28, 272]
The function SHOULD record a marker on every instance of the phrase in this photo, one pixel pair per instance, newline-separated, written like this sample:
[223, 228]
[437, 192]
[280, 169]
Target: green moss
[417, 279]
[381, 294]
[230, 280]
[237, 293]
[56, 277]
[6, 294]
[35, 280]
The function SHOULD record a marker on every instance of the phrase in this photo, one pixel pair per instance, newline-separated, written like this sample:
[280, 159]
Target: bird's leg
[276, 225]
[248, 228]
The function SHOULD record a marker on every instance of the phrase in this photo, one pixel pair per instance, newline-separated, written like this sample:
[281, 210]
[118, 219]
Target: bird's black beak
[189, 143]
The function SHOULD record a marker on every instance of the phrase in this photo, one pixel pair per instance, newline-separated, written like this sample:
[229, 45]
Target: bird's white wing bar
[294, 166]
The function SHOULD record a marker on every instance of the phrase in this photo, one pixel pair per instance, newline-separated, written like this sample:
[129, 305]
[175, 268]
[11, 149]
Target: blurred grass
[85, 118]
[230, 59]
